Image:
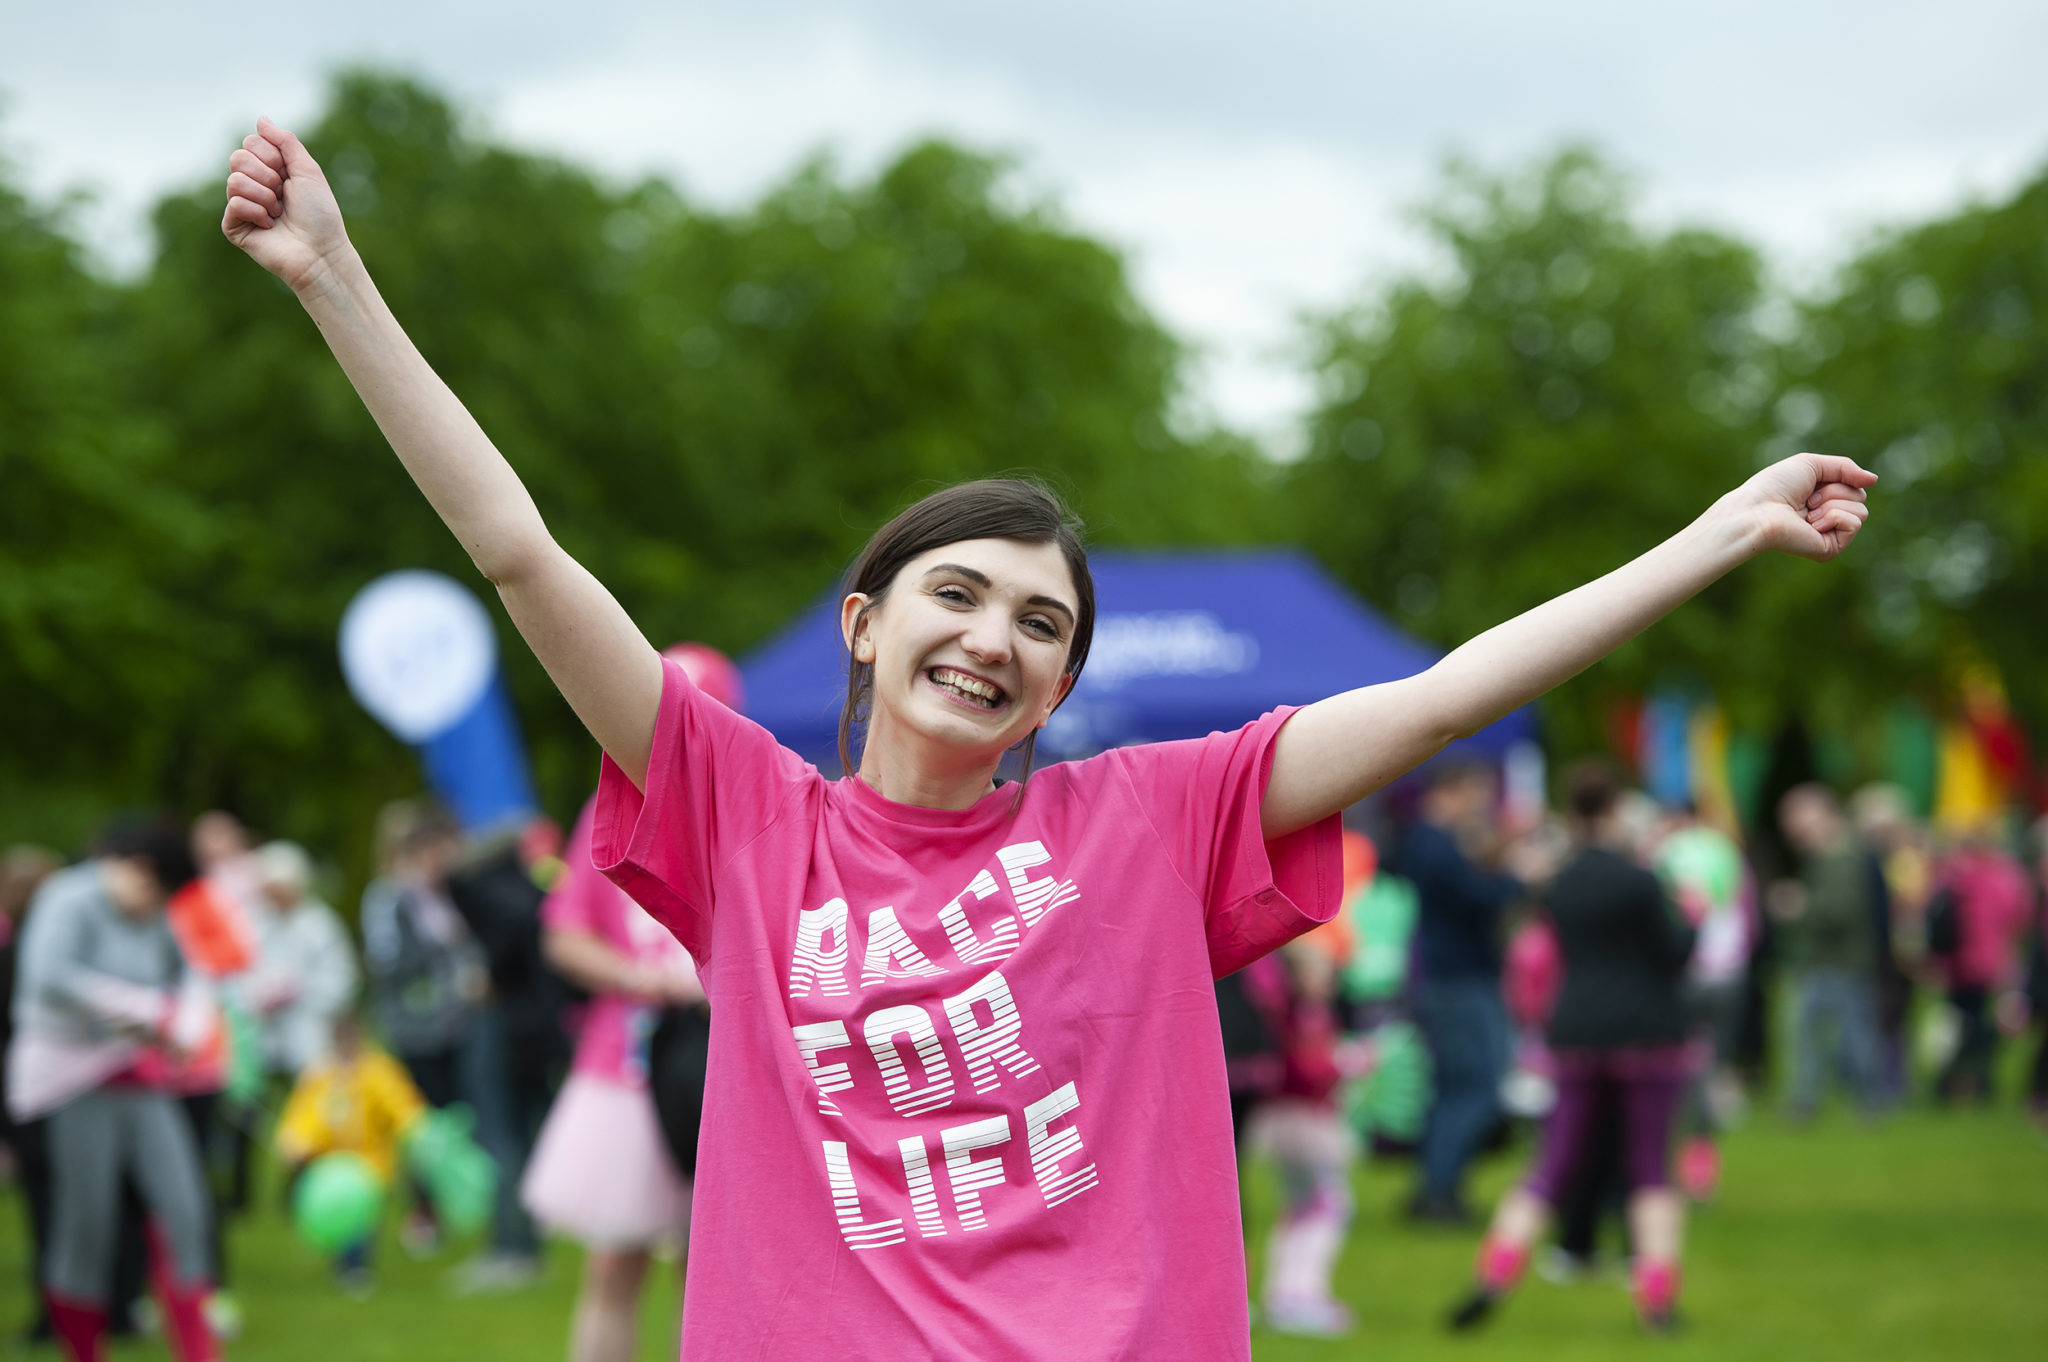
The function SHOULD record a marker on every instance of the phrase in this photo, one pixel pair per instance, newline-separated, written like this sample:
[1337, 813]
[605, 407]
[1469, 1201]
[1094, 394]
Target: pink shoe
[1699, 1168]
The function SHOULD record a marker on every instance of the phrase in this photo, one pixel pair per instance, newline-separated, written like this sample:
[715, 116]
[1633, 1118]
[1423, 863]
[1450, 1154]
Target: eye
[1043, 627]
[954, 595]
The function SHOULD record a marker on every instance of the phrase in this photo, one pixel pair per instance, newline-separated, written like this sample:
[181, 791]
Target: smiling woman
[966, 1091]
[1004, 556]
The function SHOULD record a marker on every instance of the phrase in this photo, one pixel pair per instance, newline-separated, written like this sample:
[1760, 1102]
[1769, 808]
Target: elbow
[1444, 715]
[507, 563]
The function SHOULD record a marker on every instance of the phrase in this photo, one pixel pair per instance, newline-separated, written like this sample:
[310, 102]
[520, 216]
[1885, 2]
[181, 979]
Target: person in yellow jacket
[358, 1099]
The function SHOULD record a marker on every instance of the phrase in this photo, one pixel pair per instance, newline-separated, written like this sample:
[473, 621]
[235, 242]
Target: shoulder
[322, 922]
[1611, 865]
[74, 889]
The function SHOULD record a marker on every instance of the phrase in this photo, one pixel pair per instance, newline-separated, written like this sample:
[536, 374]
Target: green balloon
[1703, 860]
[461, 1179]
[337, 1201]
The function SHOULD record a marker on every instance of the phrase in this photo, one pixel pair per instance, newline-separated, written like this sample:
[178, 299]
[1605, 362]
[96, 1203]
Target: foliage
[1576, 386]
[712, 409]
[1573, 390]
[1929, 362]
[95, 530]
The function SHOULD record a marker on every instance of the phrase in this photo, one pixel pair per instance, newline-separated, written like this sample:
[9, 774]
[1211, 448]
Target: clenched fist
[280, 208]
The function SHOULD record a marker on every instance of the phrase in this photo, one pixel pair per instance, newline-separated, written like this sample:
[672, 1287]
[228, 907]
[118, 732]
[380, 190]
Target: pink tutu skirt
[600, 1172]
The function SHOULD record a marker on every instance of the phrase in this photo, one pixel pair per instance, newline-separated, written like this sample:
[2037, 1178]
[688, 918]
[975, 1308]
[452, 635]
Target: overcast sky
[1253, 159]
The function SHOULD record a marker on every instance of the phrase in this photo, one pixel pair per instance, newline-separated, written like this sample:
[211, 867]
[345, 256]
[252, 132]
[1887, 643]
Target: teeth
[966, 685]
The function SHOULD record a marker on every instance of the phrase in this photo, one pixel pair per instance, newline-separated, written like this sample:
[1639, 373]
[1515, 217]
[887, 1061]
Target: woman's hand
[281, 211]
[1809, 505]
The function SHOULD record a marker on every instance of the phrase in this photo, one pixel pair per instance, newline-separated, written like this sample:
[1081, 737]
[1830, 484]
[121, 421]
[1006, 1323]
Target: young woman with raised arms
[966, 1095]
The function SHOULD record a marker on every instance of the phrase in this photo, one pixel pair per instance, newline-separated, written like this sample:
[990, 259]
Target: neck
[907, 769]
[1606, 836]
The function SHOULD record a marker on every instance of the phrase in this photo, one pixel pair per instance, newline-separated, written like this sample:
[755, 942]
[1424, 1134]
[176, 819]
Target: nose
[987, 638]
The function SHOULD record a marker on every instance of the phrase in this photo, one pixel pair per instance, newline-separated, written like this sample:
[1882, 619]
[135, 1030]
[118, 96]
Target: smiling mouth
[970, 689]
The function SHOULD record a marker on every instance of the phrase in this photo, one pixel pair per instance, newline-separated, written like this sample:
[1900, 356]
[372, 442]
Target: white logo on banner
[418, 651]
[1165, 643]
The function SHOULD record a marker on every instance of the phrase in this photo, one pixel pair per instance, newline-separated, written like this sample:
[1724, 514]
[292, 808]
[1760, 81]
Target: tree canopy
[714, 408]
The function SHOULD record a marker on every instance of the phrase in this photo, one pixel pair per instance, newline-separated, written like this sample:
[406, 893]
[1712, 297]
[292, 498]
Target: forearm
[114, 1001]
[591, 648]
[591, 964]
[463, 476]
[1339, 750]
[1512, 663]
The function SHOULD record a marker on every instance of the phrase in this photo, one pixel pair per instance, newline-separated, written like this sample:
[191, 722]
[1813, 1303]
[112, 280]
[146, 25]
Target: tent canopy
[1186, 643]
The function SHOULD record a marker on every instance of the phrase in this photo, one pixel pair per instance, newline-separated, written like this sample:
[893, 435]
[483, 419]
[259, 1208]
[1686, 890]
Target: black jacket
[1625, 950]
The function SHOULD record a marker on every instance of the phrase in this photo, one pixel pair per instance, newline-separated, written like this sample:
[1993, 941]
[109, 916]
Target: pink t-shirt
[613, 1042]
[966, 1094]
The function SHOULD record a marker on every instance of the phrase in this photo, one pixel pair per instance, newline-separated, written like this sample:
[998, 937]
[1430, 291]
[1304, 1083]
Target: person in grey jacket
[426, 971]
[305, 971]
[106, 1020]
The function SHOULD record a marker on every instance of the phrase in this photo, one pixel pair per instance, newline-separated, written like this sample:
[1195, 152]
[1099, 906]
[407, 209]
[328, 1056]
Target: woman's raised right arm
[283, 215]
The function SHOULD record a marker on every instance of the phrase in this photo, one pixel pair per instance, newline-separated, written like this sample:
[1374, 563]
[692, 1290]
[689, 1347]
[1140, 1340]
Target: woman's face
[969, 646]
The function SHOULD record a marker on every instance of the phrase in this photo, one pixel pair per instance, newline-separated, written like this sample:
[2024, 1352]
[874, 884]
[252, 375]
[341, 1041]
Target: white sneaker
[494, 1273]
[1309, 1318]
[223, 1315]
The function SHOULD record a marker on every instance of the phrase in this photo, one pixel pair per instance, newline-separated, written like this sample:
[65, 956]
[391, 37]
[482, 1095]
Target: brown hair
[1591, 789]
[406, 825]
[991, 508]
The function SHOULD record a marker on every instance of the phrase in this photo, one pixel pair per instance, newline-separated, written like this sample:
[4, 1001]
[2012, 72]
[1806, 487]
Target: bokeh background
[1473, 300]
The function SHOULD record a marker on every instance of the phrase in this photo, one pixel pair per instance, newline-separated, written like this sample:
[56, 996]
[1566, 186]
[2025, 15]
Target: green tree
[1928, 361]
[95, 644]
[713, 410]
[1568, 389]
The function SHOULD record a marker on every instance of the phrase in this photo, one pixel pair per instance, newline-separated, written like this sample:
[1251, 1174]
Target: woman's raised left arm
[1339, 750]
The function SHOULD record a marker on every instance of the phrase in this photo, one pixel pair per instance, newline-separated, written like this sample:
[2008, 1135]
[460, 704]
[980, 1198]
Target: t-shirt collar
[987, 811]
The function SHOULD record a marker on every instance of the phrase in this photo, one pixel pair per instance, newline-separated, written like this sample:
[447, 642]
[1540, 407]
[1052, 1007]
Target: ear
[1059, 696]
[859, 644]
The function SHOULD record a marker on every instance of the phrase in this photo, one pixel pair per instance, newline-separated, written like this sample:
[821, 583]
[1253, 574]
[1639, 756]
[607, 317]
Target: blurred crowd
[183, 1000]
[1627, 978]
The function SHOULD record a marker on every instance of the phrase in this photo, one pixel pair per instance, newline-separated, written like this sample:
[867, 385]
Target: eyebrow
[980, 579]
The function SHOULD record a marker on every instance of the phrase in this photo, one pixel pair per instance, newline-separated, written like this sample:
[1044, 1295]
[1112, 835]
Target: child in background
[1302, 1130]
[357, 1099]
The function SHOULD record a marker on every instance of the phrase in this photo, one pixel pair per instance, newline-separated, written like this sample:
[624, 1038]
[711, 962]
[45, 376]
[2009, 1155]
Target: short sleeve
[1202, 797]
[715, 781]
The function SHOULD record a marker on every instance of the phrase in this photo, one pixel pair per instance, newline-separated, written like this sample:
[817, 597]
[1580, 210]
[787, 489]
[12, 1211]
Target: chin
[962, 732]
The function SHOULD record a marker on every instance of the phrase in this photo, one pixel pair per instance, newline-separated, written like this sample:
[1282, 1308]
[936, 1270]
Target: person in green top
[1828, 943]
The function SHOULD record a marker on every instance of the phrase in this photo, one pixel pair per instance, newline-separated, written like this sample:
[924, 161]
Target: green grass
[1924, 1238]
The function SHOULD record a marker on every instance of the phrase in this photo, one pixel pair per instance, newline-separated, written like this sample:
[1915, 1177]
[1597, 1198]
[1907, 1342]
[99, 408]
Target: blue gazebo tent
[1186, 643]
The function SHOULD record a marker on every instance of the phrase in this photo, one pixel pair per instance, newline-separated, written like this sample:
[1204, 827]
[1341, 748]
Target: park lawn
[1924, 1238]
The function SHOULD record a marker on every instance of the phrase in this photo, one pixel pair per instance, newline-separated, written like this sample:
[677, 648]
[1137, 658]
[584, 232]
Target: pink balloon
[711, 671]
